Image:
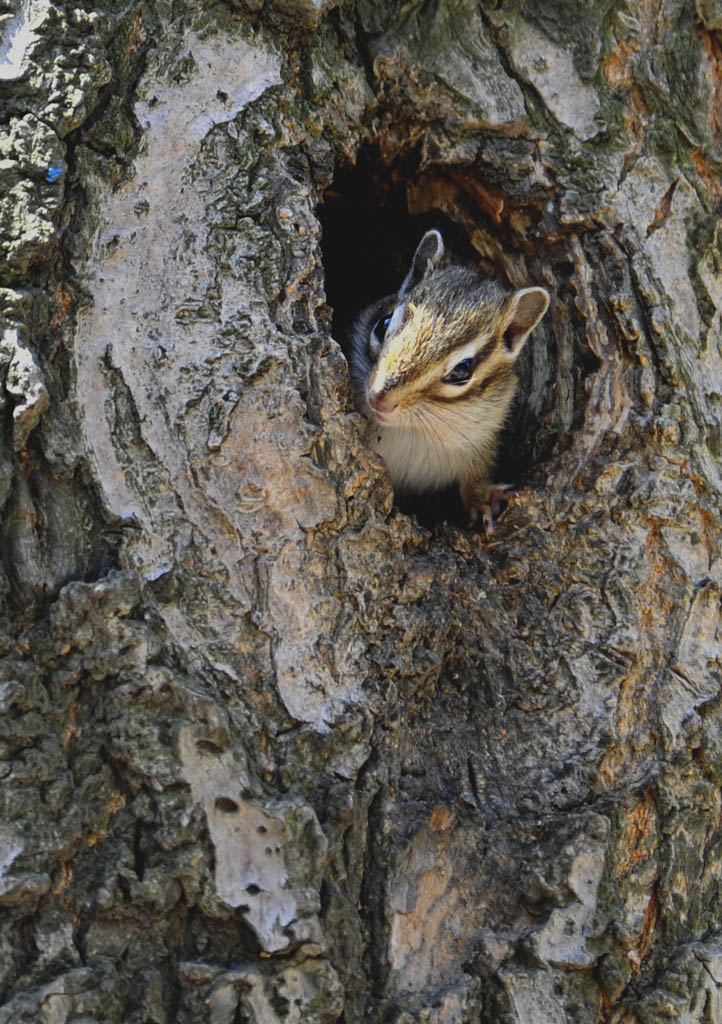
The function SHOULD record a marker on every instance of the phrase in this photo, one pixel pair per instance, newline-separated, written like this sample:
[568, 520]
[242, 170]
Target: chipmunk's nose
[381, 403]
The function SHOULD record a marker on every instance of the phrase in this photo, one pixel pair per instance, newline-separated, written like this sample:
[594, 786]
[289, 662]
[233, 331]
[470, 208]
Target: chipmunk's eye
[378, 333]
[461, 372]
[382, 327]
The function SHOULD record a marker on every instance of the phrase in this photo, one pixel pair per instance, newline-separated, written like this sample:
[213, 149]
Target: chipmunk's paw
[499, 497]
[488, 507]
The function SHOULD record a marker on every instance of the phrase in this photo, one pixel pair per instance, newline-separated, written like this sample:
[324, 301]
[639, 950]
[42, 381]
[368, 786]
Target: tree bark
[274, 750]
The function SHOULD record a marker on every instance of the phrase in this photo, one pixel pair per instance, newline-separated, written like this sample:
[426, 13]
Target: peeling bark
[274, 750]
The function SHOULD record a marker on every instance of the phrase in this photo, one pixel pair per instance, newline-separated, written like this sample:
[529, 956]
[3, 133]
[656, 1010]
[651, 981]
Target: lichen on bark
[273, 750]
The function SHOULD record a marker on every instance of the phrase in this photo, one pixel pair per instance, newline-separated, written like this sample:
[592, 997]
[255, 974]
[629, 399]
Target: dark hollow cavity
[372, 218]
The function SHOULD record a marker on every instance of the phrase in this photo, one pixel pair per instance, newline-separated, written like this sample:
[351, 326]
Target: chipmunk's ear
[524, 310]
[427, 255]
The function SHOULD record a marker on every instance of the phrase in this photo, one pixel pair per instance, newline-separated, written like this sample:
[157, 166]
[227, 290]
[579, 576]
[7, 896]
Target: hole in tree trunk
[373, 217]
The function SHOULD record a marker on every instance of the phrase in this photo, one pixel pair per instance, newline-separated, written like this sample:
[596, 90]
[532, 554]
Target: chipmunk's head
[446, 345]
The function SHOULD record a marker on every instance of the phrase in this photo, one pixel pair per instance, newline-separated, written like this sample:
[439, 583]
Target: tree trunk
[274, 750]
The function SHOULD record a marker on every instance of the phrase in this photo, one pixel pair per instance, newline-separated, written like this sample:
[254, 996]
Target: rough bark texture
[273, 751]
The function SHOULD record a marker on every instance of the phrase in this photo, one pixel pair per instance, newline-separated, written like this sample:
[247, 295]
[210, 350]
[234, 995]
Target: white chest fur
[436, 448]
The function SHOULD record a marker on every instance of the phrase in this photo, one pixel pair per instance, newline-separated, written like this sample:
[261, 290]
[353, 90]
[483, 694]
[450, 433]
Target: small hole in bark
[372, 218]
[208, 747]
[225, 805]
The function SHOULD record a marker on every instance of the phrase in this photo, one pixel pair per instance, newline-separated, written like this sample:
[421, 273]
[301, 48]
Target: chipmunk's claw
[489, 510]
[487, 518]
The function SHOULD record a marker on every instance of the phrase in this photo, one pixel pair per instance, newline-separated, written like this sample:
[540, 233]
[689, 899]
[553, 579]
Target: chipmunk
[432, 367]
